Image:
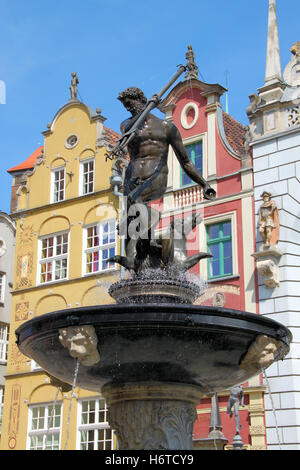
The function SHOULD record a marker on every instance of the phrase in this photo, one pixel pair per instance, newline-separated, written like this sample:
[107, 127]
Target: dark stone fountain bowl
[188, 344]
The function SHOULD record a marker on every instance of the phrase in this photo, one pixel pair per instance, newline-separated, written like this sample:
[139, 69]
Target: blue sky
[113, 44]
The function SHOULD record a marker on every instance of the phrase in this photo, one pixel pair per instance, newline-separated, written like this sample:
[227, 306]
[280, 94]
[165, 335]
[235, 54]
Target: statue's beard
[136, 108]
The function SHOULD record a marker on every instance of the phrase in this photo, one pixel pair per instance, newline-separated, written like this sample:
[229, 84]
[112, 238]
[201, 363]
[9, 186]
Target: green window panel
[195, 153]
[219, 244]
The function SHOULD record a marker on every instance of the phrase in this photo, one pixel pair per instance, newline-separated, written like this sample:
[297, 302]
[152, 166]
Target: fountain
[153, 354]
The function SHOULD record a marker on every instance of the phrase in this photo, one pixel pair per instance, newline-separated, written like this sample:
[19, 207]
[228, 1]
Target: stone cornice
[94, 116]
[275, 135]
[206, 89]
[55, 205]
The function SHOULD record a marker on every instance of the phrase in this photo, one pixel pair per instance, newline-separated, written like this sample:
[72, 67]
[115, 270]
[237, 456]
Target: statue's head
[132, 93]
[261, 354]
[133, 99]
[81, 342]
[295, 49]
[266, 196]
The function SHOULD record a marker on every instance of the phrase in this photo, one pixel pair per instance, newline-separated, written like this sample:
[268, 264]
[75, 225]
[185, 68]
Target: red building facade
[217, 145]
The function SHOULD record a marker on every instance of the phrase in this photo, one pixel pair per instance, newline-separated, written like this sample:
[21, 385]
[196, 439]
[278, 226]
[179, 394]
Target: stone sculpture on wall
[261, 354]
[82, 343]
[268, 220]
[268, 255]
[292, 70]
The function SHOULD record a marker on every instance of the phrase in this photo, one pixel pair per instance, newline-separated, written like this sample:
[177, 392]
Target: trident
[151, 104]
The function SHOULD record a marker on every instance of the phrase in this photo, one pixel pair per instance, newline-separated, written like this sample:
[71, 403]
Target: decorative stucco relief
[24, 271]
[14, 416]
[293, 116]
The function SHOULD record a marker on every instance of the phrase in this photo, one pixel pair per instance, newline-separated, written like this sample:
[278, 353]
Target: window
[1, 406]
[94, 432]
[58, 184]
[87, 177]
[71, 141]
[44, 427]
[54, 257]
[219, 244]
[2, 287]
[100, 245]
[195, 153]
[4, 337]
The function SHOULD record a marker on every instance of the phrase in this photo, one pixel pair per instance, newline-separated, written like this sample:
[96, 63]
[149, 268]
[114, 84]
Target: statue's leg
[262, 233]
[268, 235]
[229, 406]
[237, 418]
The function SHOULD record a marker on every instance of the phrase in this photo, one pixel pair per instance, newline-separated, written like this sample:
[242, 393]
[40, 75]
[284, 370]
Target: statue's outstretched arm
[176, 143]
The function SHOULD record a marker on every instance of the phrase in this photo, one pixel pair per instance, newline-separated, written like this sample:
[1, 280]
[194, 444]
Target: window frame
[4, 341]
[52, 195]
[174, 180]
[219, 241]
[2, 287]
[81, 176]
[44, 431]
[1, 406]
[182, 173]
[222, 218]
[98, 248]
[95, 426]
[52, 259]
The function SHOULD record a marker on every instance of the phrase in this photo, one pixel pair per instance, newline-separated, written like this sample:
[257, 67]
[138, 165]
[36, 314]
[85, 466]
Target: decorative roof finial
[273, 64]
[295, 49]
[291, 73]
[74, 87]
[192, 69]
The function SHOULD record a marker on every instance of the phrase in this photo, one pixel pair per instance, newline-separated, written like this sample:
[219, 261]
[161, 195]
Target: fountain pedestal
[153, 416]
[153, 361]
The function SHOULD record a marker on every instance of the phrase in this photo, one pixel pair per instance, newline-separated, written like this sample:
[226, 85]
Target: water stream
[273, 407]
[71, 399]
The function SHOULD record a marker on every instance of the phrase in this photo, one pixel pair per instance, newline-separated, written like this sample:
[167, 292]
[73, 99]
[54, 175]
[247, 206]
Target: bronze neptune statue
[147, 140]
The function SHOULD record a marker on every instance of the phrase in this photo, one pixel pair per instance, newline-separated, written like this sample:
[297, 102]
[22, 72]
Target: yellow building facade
[66, 216]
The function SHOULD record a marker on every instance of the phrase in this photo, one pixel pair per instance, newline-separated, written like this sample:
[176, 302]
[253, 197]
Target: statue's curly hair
[133, 92]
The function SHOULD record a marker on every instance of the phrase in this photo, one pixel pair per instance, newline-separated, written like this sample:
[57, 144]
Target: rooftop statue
[147, 139]
[192, 69]
[74, 86]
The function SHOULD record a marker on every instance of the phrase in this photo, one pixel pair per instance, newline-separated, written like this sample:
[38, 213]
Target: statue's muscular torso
[148, 158]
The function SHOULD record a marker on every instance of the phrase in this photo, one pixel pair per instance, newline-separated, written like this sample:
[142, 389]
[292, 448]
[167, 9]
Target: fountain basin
[188, 344]
[154, 291]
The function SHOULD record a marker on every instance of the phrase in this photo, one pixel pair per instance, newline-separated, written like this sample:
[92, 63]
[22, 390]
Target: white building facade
[274, 115]
[7, 244]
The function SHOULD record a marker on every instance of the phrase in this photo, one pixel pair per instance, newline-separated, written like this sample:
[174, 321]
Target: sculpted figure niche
[268, 220]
